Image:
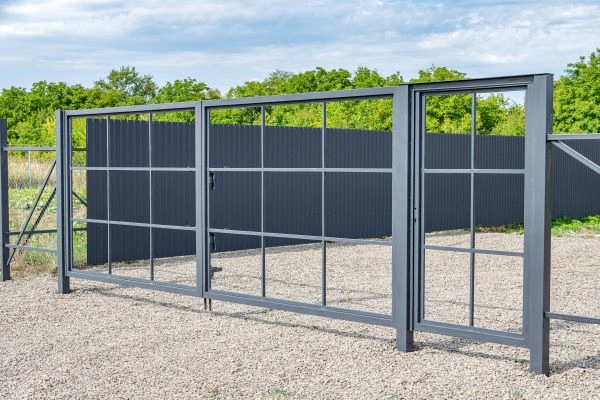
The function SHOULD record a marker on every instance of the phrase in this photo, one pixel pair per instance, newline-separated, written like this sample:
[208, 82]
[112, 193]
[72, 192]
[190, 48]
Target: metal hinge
[212, 241]
[211, 181]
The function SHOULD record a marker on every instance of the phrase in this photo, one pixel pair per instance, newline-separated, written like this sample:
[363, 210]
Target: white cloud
[227, 42]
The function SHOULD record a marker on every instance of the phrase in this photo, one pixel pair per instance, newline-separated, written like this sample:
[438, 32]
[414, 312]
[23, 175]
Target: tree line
[30, 112]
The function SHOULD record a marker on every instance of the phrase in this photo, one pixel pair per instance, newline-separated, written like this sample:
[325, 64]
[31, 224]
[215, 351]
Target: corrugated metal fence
[357, 204]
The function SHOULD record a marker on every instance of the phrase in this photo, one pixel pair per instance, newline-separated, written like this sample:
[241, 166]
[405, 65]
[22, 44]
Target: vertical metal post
[323, 242]
[29, 169]
[62, 215]
[472, 212]
[151, 233]
[201, 190]
[401, 217]
[263, 253]
[4, 226]
[108, 226]
[538, 212]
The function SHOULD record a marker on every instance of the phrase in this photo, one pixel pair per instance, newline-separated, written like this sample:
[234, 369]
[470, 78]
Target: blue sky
[225, 43]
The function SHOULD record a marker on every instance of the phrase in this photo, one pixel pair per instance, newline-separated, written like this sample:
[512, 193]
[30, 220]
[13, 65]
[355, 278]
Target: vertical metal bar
[29, 167]
[421, 133]
[201, 191]
[108, 260]
[323, 242]
[4, 215]
[206, 173]
[401, 218]
[62, 171]
[263, 267]
[151, 233]
[538, 211]
[68, 193]
[472, 212]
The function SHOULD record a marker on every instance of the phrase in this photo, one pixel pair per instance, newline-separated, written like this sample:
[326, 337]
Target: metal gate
[408, 173]
[534, 257]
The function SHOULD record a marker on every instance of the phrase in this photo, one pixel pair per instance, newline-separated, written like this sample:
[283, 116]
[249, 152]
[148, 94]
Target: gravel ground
[107, 341]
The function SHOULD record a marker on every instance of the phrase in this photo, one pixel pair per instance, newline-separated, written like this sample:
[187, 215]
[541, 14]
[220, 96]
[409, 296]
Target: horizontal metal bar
[165, 169]
[29, 248]
[476, 251]
[472, 333]
[301, 237]
[139, 224]
[475, 171]
[40, 232]
[334, 170]
[304, 308]
[141, 109]
[134, 282]
[571, 317]
[29, 148]
[578, 156]
[330, 96]
[573, 136]
[481, 85]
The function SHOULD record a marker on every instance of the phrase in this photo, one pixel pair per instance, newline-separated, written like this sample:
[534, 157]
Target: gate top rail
[309, 97]
[145, 108]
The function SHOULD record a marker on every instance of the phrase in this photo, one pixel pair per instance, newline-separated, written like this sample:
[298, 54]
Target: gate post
[401, 218]
[538, 214]
[4, 226]
[201, 184]
[64, 285]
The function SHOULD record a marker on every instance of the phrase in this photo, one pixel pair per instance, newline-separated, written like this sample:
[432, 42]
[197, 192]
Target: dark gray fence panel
[173, 194]
[357, 204]
[576, 187]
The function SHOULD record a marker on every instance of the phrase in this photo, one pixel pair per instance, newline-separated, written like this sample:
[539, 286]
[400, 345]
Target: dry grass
[24, 184]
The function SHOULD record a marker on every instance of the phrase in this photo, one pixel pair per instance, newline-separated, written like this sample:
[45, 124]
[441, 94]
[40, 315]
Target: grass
[21, 198]
[563, 226]
[571, 226]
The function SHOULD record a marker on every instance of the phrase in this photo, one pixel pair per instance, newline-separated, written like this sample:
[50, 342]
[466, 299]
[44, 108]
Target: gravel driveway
[106, 341]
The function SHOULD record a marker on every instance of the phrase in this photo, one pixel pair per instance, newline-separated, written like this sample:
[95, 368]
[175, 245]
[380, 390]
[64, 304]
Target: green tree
[577, 97]
[138, 89]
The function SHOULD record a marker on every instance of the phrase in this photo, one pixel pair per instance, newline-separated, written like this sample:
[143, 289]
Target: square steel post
[401, 218]
[64, 285]
[4, 226]
[538, 214]
[202, 268]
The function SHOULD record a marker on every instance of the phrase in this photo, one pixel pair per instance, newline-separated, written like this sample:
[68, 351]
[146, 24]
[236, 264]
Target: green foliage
[128, 83]
[373, 114]
[577, 97]
[30, 112]
[560, 226]
[452, 113]
[565, 225]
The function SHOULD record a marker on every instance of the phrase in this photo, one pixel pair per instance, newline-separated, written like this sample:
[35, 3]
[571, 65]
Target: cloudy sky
[228, 42]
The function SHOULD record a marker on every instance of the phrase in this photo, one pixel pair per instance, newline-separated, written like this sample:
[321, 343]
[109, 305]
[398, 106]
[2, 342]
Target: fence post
[4, 226]
[200, 179]
[61, 234]
[401, 218]
[538, 214]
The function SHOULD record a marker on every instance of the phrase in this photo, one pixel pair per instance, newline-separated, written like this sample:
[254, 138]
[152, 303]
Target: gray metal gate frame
[537, 210]
[407, 212]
